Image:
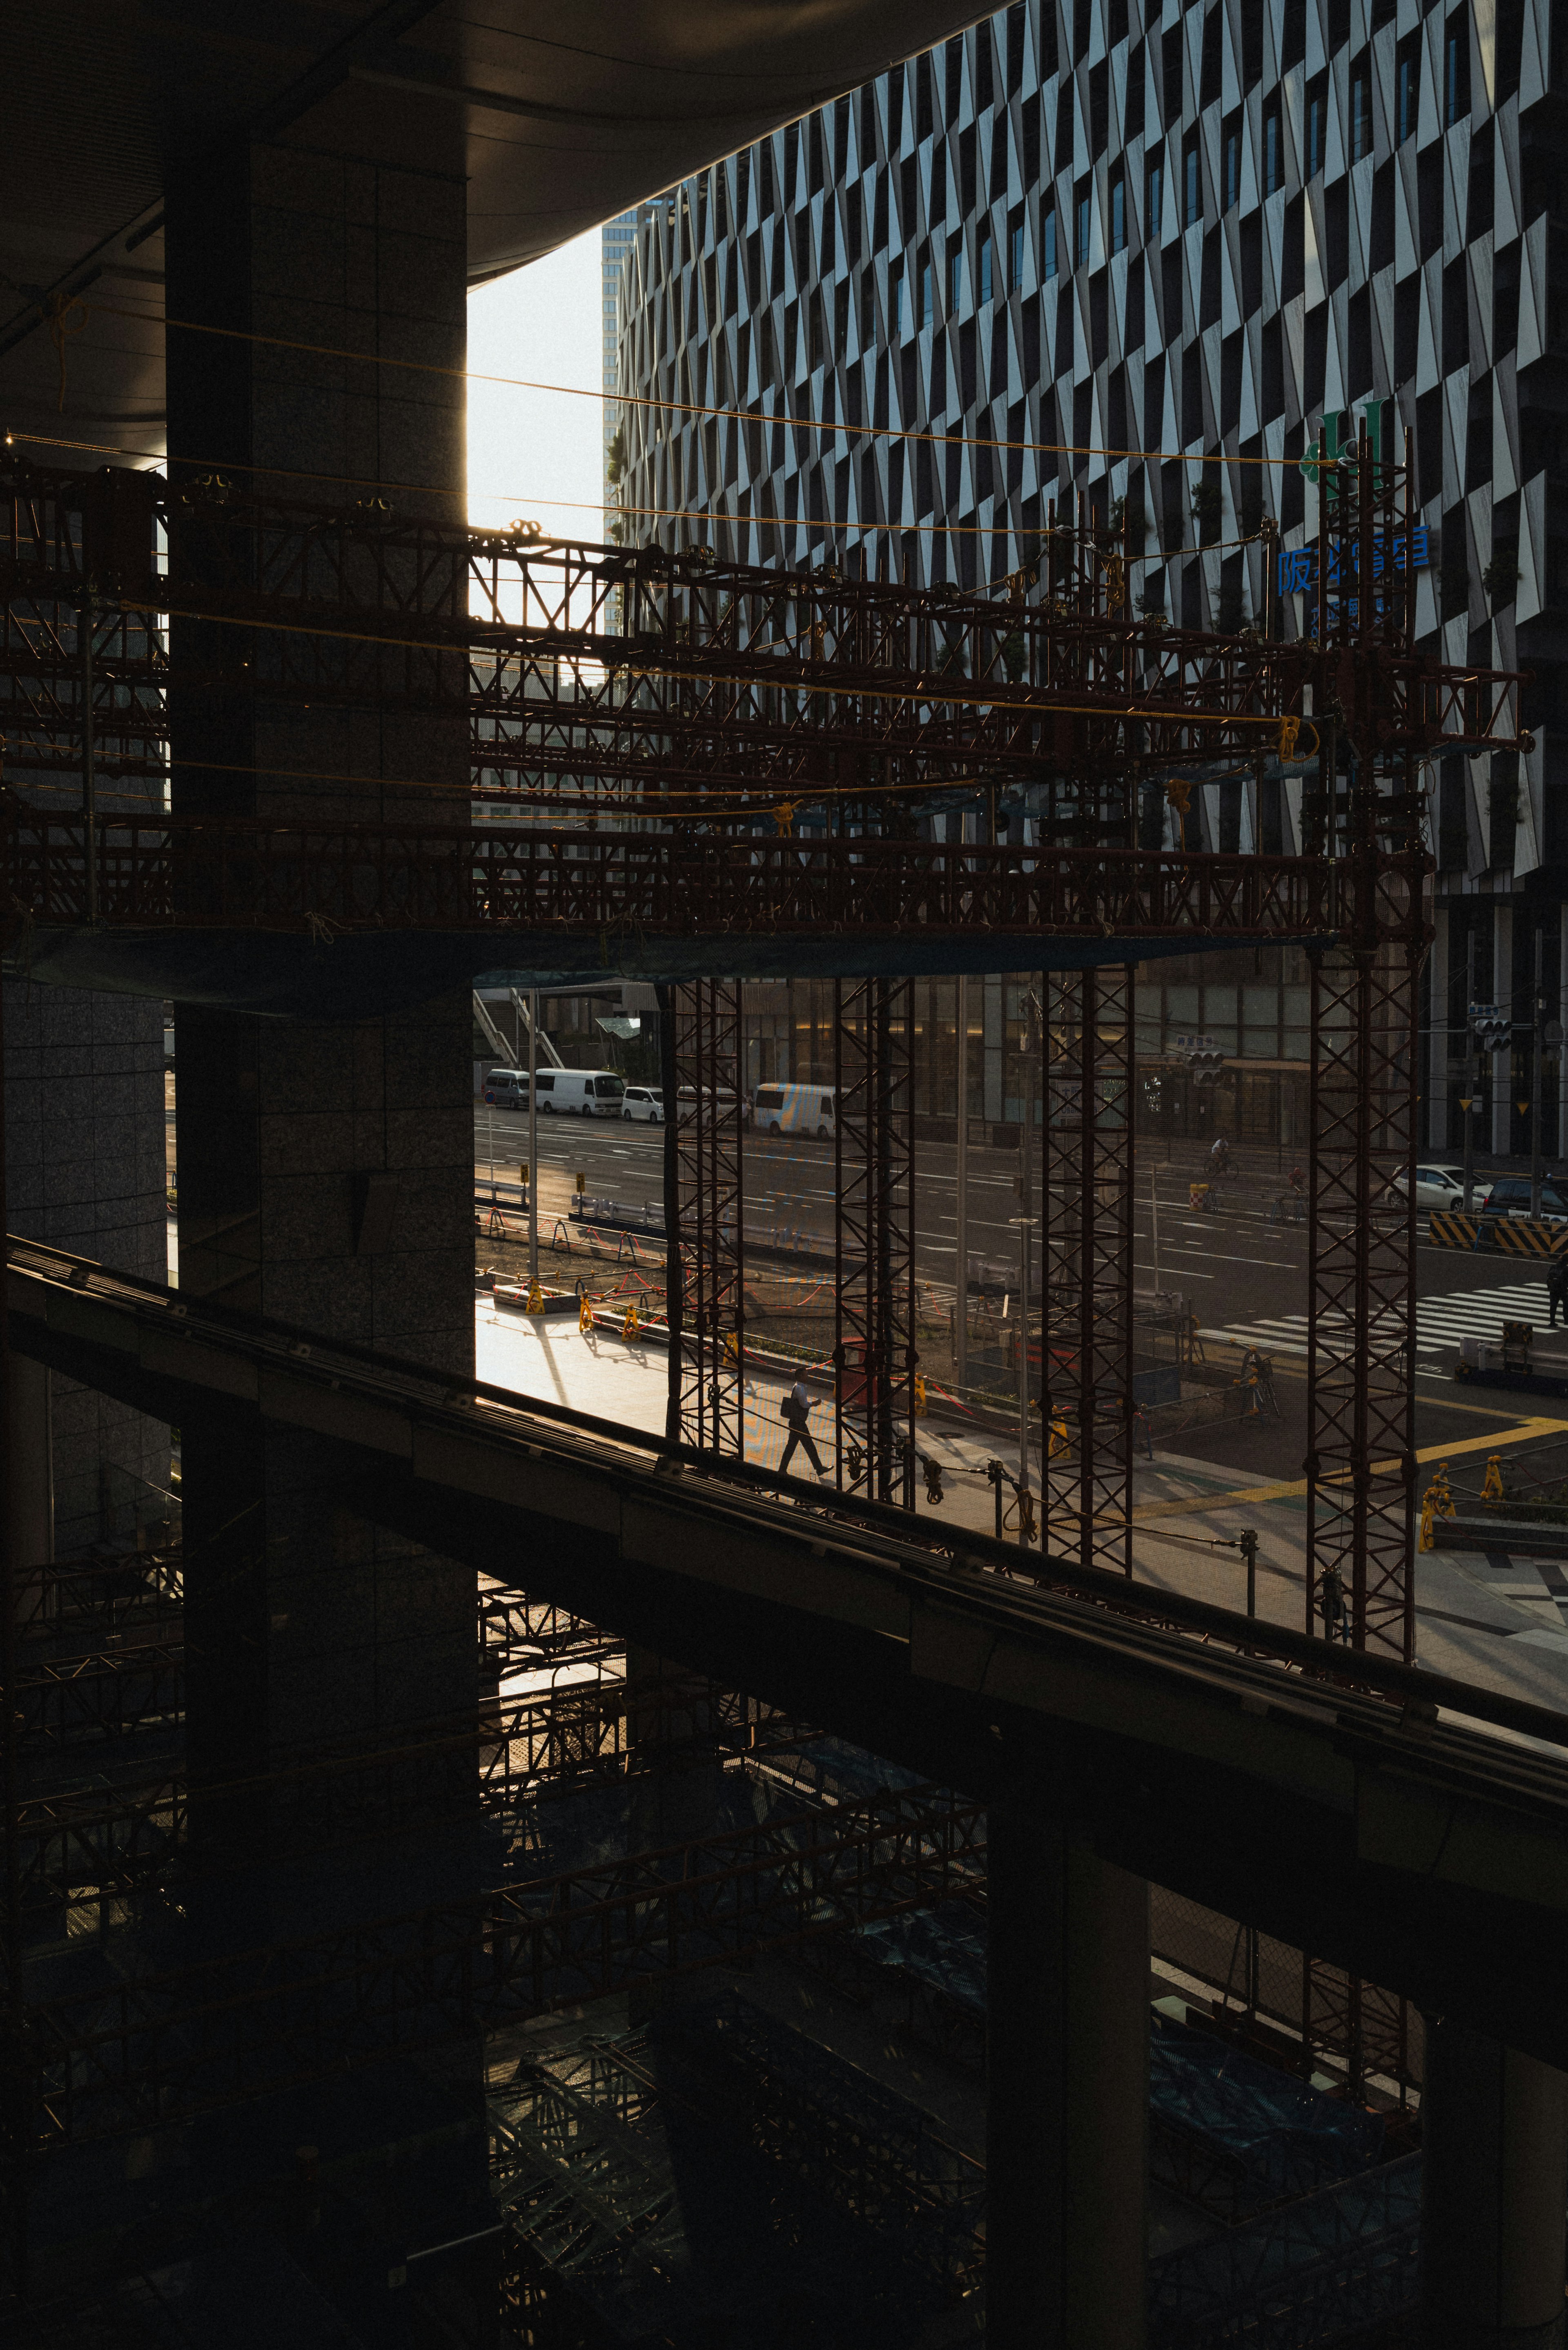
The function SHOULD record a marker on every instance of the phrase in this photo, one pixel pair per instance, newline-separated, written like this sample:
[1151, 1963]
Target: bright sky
[531, 452]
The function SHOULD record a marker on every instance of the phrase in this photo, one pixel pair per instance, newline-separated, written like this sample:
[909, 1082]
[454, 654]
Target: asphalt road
[1244, 1274]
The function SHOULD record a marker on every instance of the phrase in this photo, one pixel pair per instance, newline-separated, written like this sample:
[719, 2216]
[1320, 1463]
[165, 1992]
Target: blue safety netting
[1283, 2137]
[1331, 2268]
[943, 1947]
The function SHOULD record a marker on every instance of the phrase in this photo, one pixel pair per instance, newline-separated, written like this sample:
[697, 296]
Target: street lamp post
[1537, 1024]
[1467, 1102]
[961, 1202]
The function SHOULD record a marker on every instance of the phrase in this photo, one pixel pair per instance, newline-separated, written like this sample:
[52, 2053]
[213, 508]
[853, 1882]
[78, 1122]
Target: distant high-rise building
[1085, 246]
[616, 240]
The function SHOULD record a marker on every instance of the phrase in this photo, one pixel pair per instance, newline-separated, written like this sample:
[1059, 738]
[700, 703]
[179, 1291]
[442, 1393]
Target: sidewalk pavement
[1481, 1617]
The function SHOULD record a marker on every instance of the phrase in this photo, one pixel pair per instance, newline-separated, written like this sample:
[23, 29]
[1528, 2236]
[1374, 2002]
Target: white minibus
[590, 1093]
[795, 1110]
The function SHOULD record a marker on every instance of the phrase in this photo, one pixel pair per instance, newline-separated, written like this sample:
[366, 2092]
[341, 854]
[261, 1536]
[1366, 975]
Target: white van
[797, 1109]
[592, 1093]
[506, 1089]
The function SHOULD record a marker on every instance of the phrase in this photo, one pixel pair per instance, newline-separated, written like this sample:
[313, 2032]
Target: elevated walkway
[1390, 1825]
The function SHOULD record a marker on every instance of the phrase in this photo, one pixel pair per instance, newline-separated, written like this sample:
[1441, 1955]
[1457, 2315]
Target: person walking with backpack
[795, 1411]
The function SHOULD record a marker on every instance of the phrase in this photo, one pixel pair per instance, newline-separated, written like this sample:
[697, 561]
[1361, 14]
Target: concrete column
[1502, 994]
[325, 1166]
[1494, 2185]
[1437, 1036]
[1067, 2064]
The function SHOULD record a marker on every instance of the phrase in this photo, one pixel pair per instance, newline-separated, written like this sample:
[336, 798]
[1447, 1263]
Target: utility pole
[1154, 1219]
[1537, 1012]
[960, 1202]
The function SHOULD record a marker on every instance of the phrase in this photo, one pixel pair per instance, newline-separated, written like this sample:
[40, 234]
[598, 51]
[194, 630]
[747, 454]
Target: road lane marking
[1297, 1486]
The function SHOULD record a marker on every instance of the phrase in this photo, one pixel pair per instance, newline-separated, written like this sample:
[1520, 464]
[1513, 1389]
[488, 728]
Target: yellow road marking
[1485, 1410]
[1297, 1486]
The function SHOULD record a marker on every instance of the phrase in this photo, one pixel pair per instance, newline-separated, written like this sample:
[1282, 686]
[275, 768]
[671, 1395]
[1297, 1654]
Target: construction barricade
[1514, 1235]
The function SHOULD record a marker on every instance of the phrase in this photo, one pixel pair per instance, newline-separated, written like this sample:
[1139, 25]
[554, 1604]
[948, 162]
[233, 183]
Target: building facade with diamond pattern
[1091, 227]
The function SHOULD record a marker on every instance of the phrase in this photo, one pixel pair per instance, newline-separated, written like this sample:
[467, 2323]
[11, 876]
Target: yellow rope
[64, 315]
[683, 407]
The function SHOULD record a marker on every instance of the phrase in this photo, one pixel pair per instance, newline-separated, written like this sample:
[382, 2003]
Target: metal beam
[1216, 1754]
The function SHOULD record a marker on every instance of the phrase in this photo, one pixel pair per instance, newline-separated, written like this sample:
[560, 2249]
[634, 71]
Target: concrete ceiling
[570, 116]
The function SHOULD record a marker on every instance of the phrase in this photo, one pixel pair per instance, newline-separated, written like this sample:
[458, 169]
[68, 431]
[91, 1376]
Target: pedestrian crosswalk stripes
[1440, 1321]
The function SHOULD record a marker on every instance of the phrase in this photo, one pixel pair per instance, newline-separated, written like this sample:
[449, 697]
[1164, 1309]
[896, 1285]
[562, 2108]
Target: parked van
[721, 1099]
[592, 1093]
[797, 1109]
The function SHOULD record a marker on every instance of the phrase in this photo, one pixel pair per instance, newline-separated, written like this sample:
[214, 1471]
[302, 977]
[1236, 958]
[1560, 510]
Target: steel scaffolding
[735, 697]
[712, 678]
[733, 707]
[1365, 1079]
[874, 1271]
[707, 1116]
[1086, 1290]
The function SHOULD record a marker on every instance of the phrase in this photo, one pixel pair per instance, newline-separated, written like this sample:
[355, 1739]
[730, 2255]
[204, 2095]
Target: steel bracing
[147, 2051]
[639, 672]
[597, 897]
[1361, 1309]
[742, 767]
[874, 1269]
[707, 1363]
[80, 1847]
[1362, 1292]
[1086, 1284]
[744, 698]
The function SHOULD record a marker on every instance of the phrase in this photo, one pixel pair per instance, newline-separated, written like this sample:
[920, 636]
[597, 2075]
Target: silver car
[1442, 1186]
[644, 1102]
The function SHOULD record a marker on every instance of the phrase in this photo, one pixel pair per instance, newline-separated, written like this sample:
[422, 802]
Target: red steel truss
[750, 684]
[1370, 2029]
[1087, 1277]
[1361, 1338]
[706, 1358]
[873, 1285]
[614, 669]
[1361, 1305]
[612, 887]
